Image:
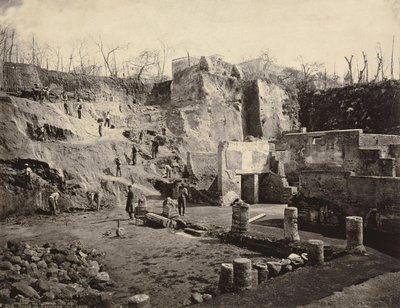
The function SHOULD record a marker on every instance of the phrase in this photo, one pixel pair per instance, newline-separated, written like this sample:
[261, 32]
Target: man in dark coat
[129, 202]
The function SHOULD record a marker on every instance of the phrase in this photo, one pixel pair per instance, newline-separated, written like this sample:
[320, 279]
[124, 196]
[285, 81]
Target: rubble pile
[56, 274]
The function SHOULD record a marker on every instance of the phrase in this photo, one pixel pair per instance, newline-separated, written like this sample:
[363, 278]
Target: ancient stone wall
[374, 107]
[327, 197]
[183, 63]
[346, 150]
[241, 158]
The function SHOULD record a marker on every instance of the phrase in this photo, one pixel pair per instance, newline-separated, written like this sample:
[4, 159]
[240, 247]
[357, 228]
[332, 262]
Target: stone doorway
[249, 188]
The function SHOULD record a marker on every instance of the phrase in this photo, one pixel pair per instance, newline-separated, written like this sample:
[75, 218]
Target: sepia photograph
[205, 153]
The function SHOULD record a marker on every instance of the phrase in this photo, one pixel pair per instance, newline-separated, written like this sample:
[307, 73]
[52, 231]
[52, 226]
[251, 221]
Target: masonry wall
[181, 64]
[237, 158]
[345, 150]
[327, 197]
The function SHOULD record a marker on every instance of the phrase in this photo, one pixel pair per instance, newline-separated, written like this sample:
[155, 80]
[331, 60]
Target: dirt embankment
[373, 107]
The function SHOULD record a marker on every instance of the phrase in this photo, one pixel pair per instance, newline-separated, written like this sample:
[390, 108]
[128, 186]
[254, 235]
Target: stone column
[316, 252]
[290, 224]
[226, 277]
[240, 217]
[242, 274]
[254, 189]
[139, 301]
[354, 234]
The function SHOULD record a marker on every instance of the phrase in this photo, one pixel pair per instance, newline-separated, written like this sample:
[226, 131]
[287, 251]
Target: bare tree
[106, 53]
[82, 57]
[350, 69]
[379, 69]
[188, 57]
[309, 69]
[391, 61]
[266, 59]
[3, 41]
[10, 49]
[146, 60]
[363, 76]
[162, 59]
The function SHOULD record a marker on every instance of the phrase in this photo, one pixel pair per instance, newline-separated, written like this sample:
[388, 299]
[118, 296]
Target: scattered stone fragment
[24, 290]
[6, 265]
[286, 269]
[296, 259]
[274, 268]
[197, 297]
[48, 296]
[195, 232]
[285, 262]
[262, 272]
[103, 277]
[42, 265]
[4, 296]
[42, 285]
[139, 301]
[254, 278]
[72, 258]
[207, 297]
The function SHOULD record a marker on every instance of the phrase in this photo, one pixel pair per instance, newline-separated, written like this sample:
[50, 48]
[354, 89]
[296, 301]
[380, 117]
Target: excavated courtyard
[169, 265]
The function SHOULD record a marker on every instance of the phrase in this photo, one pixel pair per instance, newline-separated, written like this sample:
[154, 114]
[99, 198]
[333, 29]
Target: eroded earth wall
[374, 107]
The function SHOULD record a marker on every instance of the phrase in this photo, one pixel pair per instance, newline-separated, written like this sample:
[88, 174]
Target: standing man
[183, 194]
[118, 163]
[134, 154]
[66, 107]
[28, 176]
[154, 148]
[129, 202]
[53, 202]
[62, 181]
[168, 171]
[79, 108]
[40, 133]
[141, 136]
[107, 123]
[100, 129]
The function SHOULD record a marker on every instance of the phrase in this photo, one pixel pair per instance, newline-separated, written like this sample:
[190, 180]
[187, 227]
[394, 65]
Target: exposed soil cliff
[374, 107]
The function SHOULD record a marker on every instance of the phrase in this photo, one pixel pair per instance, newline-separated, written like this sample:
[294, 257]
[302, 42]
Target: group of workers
[130, 200]
[94, 196]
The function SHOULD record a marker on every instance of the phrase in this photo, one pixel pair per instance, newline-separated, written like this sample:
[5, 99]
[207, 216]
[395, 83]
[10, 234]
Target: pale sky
[319, 30]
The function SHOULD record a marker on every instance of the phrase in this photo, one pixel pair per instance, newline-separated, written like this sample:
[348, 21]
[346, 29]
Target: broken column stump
[226, 277]
[290, 229]
[242, 274]
[240, 217]
[354, 235]
[315, 250]
[139, 301]
[262, 270]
